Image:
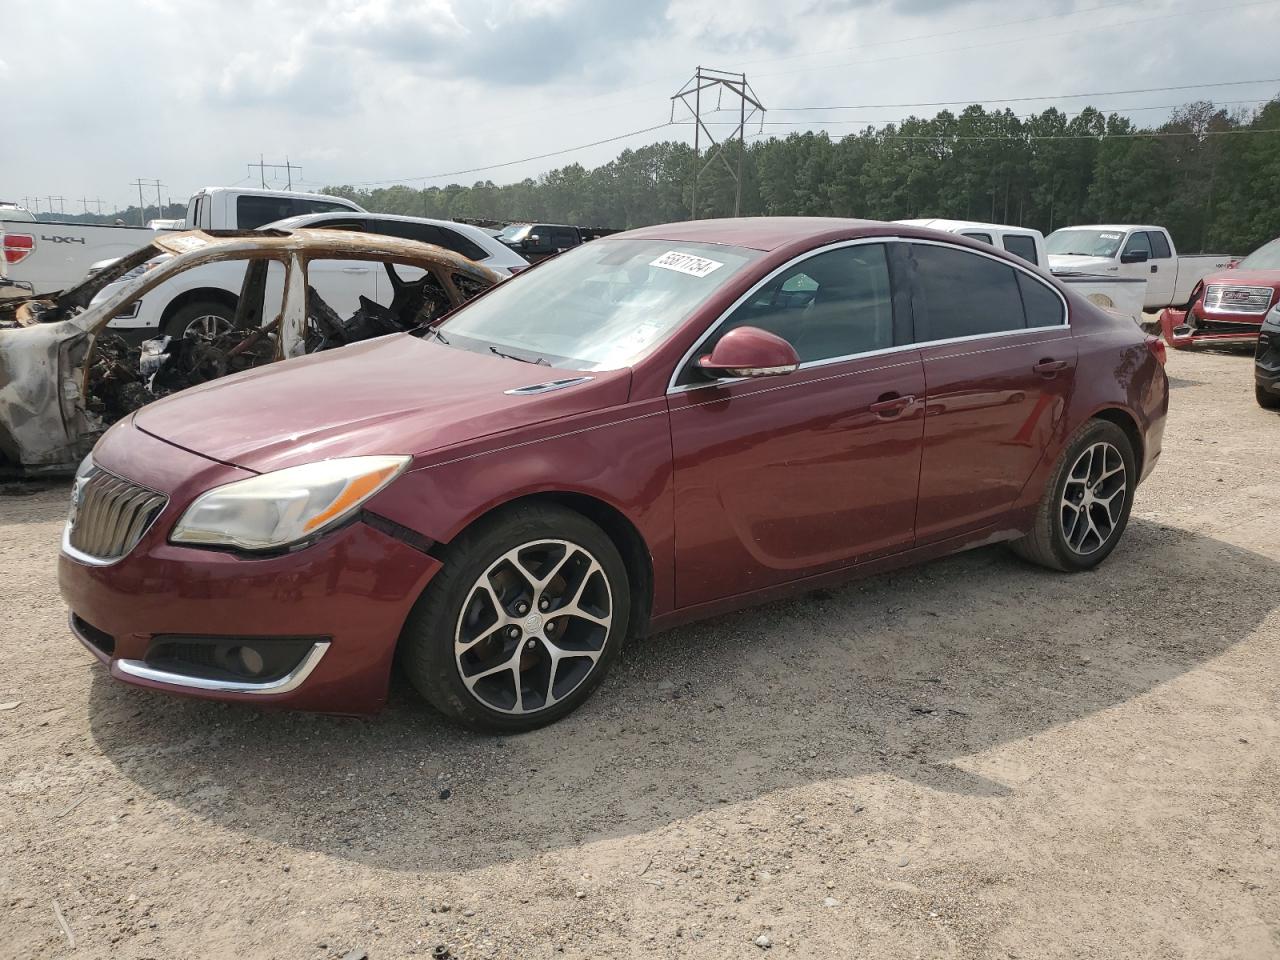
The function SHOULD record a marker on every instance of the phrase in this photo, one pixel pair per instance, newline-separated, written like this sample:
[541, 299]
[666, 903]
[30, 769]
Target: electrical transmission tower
[142, 205]
[264, 167]
[739, 90]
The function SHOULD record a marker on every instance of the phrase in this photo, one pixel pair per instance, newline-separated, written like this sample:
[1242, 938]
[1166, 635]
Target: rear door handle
[890, 408]
[355, 269]
[1047, 367]
[1155, 268]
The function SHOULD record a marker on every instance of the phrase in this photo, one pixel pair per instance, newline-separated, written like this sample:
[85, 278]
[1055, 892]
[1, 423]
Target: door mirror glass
[749, 352]
[1134, 256]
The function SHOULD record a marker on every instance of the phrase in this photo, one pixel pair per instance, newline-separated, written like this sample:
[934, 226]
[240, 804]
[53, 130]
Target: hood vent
[546, 387]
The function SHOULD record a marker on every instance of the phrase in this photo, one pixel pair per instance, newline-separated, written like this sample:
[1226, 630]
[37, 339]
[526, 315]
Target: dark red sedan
[654, 427]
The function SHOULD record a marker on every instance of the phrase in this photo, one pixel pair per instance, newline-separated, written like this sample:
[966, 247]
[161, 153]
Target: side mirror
[750, 352]
[1135, 256]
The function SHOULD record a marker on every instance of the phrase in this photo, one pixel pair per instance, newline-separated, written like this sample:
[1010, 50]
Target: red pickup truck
[1228, 306]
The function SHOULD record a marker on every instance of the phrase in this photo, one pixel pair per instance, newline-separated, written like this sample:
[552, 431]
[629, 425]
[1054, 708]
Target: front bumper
[348, 595]
[1186, 328]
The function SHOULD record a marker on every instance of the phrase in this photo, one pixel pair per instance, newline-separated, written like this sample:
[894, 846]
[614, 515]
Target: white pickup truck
[1133, 250]
[1122, 295]
[51, 256]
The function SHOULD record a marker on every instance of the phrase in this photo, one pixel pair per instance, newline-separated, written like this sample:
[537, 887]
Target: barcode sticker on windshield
[686, 263]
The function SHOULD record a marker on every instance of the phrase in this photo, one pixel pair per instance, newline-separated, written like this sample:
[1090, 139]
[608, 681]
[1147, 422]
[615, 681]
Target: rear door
[781, 477]
[999, 365]
[1162, 272]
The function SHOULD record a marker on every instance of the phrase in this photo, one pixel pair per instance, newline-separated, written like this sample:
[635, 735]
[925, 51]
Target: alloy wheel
[533, 626]
[1093, 498]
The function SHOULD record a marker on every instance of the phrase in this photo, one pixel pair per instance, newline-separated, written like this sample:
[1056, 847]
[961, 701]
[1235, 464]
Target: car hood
[392, 395]
[1250, 278]
[1069, 262]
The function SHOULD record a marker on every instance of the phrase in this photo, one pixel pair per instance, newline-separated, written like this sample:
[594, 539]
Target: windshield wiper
[435, 332]
[512, 356]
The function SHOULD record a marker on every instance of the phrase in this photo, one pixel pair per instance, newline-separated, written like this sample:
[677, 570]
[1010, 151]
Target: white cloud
[376, 89]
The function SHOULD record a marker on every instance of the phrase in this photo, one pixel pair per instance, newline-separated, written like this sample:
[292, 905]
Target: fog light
[250, 660]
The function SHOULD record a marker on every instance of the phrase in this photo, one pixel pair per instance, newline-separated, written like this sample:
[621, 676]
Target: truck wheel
[201, 321]
[1266, 399]
[523, 621]
[1086, 503]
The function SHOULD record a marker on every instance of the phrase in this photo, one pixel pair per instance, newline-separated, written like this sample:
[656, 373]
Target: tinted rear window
[254, 211]
[964, 294]
[1020, 246]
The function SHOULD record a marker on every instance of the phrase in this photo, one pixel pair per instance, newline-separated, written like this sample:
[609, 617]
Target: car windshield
[1084, 243]
[514, 232]
[1266, 257]
[600, 306]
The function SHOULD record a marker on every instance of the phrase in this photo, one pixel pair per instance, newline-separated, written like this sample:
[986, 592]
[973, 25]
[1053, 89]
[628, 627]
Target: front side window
[964, 294]
[1138, 243]
[434, 234]
[1021, 246]
[834, 304]
[600, 306]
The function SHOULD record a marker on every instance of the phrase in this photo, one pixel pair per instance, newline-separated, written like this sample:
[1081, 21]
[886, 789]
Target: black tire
[1266, 399]
[178, 325]
[1047, 543]
[427, 651]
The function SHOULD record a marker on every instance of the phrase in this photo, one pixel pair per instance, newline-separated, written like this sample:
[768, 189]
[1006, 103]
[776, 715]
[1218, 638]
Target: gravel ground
[972, 759]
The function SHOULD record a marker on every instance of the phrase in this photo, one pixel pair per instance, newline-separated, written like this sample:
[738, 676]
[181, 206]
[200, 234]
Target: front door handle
[1047, 368]
[891, 407]
[355, 269]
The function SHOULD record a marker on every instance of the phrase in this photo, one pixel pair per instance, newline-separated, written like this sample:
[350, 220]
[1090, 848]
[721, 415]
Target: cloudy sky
[98, 94]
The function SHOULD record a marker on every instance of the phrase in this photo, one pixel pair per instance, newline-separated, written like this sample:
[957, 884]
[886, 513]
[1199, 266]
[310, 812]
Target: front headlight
[277, 509]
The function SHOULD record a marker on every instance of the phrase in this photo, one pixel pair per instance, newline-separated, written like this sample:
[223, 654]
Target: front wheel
[1086, 504]
[1266, 399]
[523, 621]
[201, 321]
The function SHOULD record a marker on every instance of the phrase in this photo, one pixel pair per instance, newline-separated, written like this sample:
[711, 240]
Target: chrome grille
[109, 515]
[1230, 298]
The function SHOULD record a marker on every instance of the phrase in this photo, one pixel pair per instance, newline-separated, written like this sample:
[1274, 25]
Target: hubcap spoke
[535, 625]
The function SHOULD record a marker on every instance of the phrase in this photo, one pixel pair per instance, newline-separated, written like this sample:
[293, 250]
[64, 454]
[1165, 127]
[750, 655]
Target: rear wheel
[522, 622]
[201, 321]
[1086, 504]
[1266, 399]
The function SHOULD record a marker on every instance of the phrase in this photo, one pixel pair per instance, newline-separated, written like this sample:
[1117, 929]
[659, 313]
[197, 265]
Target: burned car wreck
[65, 377]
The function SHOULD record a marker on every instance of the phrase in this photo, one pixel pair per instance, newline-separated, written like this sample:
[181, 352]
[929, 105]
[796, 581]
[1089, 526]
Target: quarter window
[833, 304]
[1021, 246]
[1042, 305]
[964, 294]
[984, 237]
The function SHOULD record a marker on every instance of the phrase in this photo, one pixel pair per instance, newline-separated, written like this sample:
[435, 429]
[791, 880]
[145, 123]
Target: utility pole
[705, 78]
[60, 207]
[263, 167]
[142, 204]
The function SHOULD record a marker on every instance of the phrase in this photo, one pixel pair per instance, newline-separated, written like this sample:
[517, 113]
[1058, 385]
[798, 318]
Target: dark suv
[537, 241]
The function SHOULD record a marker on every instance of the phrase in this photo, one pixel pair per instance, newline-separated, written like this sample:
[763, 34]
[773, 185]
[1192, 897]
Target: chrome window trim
[286, 684]
[673, 387]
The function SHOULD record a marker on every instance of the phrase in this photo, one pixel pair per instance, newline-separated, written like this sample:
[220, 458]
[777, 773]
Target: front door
[999, 365]
[782, 477]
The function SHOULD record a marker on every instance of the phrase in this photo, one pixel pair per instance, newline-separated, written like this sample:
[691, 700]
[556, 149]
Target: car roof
[346, 243]
[766, 233]
[1114, 227]
[303, 219]
[949, 225]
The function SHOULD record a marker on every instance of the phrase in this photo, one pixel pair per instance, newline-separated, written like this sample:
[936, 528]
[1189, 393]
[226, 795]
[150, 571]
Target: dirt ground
[970, 759]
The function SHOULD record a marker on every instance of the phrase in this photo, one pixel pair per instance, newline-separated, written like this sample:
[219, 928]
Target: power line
[512, 163]
[1050, 96]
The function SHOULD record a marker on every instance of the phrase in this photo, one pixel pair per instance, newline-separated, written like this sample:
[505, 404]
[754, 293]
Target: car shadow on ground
[904, 674]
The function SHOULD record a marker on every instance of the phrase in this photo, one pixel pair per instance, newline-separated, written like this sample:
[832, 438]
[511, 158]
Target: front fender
[620, 457]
